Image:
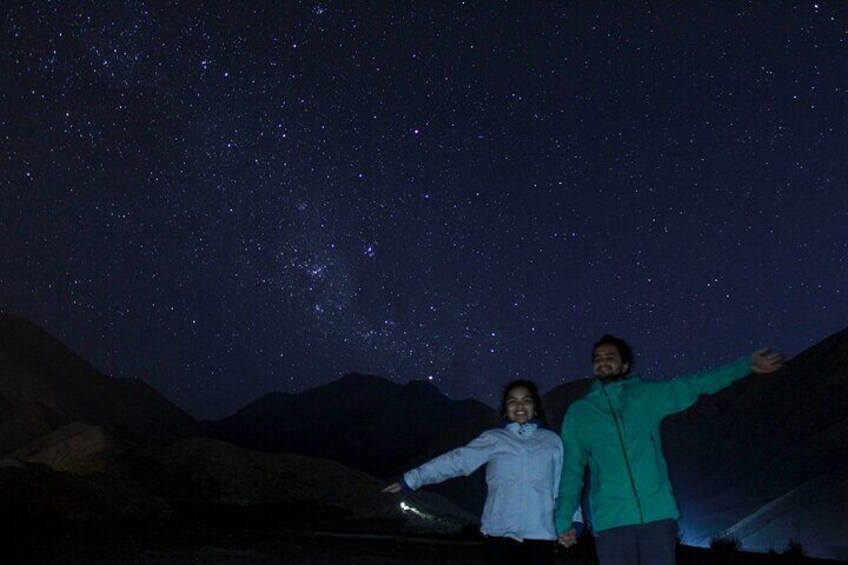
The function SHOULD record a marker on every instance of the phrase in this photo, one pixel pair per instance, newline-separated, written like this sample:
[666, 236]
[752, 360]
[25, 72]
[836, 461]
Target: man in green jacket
[615, 430]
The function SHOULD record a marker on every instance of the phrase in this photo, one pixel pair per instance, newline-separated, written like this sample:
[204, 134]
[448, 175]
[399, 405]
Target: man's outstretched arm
[682, 392]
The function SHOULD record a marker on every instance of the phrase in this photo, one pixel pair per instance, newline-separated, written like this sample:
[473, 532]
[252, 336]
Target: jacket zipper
[624, 452]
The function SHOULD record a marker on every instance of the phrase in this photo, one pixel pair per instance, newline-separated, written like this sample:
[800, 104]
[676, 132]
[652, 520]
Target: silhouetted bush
[794, 549]
[720, 544]
[793, 554]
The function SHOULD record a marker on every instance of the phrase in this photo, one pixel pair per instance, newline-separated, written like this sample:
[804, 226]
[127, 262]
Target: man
[615, 430]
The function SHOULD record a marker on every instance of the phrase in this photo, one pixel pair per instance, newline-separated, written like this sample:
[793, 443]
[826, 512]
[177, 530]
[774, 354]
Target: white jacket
[524, 462]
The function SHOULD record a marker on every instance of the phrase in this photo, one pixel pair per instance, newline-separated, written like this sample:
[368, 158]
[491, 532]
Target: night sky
[227, 200]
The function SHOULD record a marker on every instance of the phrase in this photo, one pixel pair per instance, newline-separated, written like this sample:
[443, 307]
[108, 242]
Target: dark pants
[654, 543]
[507, 551]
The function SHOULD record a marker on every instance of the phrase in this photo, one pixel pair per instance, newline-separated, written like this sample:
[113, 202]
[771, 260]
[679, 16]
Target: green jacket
[628, 475]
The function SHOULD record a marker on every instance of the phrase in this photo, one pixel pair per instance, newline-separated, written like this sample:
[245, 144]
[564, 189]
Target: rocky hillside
[78, 445]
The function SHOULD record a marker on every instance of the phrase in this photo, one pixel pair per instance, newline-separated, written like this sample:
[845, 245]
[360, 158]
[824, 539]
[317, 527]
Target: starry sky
[228, 199]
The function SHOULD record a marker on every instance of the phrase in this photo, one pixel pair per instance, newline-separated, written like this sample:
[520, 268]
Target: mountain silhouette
[368, 423]
[765, 460]
[86, 447]
[363, 421]
[44, 384]
[762, 440]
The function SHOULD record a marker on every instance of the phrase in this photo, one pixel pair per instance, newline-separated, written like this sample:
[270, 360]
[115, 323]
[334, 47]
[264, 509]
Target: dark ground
[209, 547]
[103, 545]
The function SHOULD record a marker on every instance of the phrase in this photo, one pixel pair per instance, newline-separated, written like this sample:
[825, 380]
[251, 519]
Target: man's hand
[568, 537]
[393, 488]
[763, 362]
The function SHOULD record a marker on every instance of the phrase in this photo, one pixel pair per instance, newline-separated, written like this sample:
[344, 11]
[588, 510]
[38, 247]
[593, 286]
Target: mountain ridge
[84, 445]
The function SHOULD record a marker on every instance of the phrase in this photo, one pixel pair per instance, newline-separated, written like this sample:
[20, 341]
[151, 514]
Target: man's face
[607, 363]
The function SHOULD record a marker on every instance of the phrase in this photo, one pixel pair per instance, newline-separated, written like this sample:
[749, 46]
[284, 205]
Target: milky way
[229, 200]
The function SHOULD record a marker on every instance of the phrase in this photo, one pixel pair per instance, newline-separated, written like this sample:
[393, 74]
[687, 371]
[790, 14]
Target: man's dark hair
[624, 350]
[534, 392]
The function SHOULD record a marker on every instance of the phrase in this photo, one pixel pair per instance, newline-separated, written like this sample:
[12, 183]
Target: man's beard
[612, 377]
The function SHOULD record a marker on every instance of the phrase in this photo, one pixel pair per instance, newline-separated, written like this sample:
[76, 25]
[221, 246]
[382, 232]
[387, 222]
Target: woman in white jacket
[523, 461]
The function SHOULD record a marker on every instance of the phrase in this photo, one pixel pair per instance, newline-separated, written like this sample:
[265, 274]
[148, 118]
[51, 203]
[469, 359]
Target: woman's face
[519, 405]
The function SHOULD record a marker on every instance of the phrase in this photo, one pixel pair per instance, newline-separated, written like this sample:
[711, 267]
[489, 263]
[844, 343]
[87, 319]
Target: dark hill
[81, 473]
[43, 381]
[558, 399]
[80, 446]
[767, 439]
[363, 421]
[240, 486]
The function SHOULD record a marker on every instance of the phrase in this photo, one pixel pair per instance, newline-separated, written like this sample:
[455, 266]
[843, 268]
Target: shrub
[794, 549]
[727, 544]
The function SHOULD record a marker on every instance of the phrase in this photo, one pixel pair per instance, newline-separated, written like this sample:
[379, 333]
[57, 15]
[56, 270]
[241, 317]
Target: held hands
[393, 488]
[568, 538]
[763, 362]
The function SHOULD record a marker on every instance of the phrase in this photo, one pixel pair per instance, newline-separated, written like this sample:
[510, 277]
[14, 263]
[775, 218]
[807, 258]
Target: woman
[523, 461]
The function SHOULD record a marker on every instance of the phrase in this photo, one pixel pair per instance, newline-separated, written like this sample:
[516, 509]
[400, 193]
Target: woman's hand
[393, 488]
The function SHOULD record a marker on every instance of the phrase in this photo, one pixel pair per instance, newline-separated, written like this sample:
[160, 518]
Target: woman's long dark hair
[534, 392]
